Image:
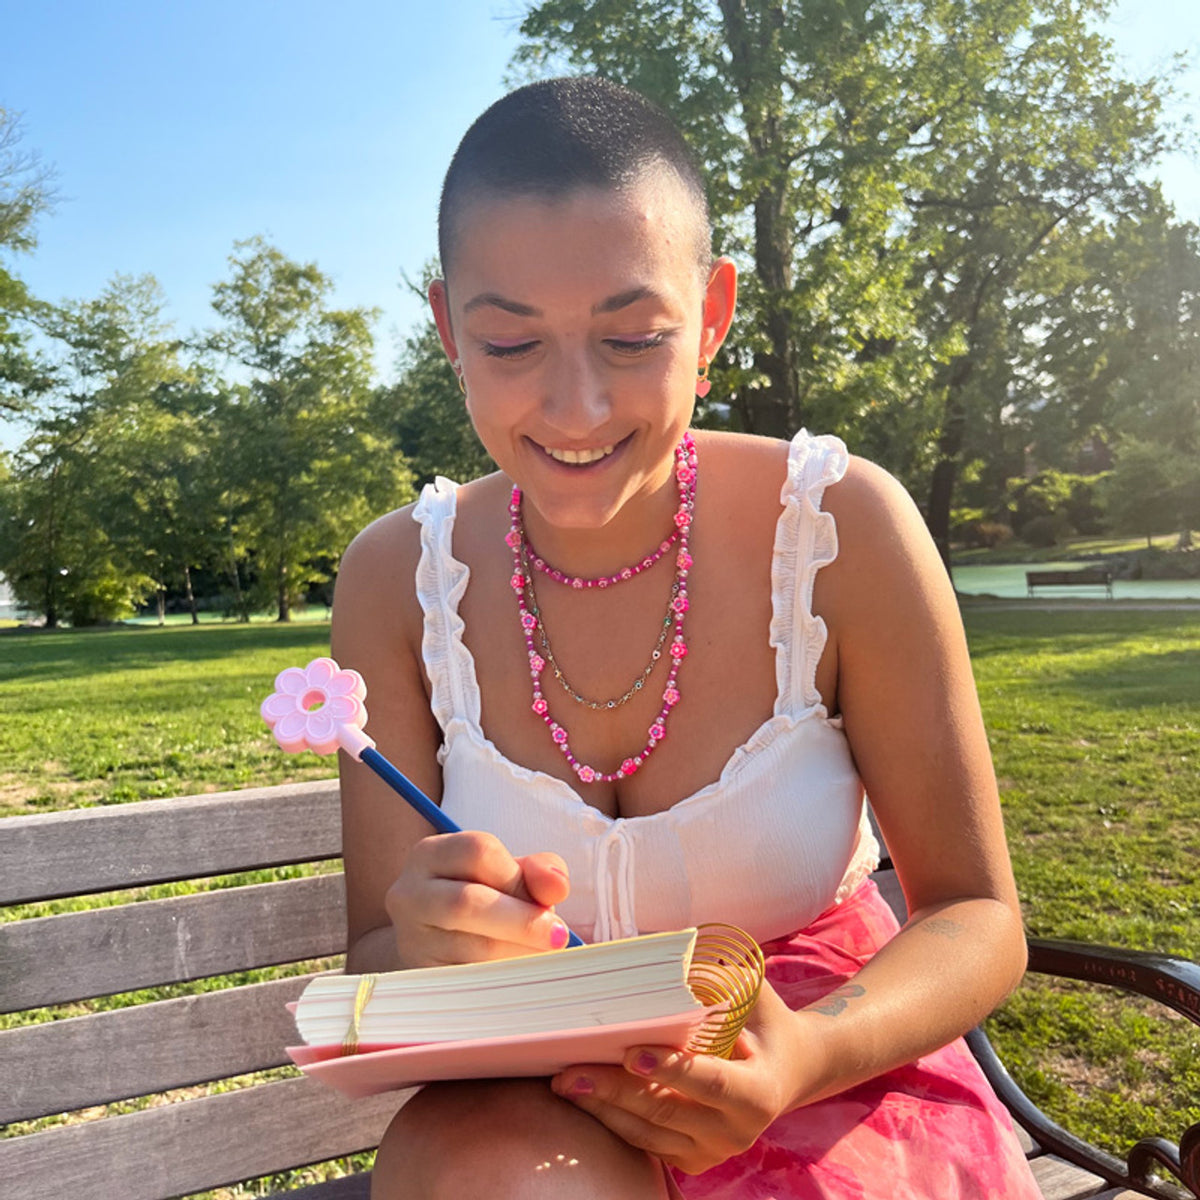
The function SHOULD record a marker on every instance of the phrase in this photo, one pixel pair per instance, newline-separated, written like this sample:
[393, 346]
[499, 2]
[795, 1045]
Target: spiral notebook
[528, 1016]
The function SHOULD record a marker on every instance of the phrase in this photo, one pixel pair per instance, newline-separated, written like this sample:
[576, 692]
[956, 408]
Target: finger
[654, 1129]
[471, 856]
[475, 909]
[545, 879]
[704, 1081]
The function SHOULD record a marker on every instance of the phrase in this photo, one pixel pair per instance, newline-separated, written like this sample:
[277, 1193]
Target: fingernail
[559, 936]
[581, 1085]
[645, 1063]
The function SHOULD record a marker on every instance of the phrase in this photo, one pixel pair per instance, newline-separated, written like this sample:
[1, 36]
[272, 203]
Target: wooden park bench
[1085, 577]
[177, 1144]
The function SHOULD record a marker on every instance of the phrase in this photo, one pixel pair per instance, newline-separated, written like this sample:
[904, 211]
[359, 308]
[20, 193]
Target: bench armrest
[1172, 981]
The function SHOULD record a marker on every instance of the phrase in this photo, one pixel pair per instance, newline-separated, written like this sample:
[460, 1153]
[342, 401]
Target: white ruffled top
[780, 836]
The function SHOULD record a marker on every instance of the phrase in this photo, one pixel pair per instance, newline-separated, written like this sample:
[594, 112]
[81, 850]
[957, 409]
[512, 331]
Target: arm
[413, 899]
[907, 696]
[896, 668]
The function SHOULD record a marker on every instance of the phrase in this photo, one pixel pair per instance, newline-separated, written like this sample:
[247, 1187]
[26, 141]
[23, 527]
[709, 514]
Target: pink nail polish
[582, 1086]
[645, 1063]
[559, 936]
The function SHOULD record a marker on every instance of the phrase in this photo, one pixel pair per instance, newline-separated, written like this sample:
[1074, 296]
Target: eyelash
[640, 346]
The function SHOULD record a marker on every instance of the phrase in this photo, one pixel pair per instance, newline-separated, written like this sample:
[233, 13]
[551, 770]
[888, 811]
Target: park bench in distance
[171, 1149]
[1087, 577]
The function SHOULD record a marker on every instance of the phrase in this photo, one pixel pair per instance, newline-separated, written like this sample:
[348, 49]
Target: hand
[462, 897]
[695, 1111]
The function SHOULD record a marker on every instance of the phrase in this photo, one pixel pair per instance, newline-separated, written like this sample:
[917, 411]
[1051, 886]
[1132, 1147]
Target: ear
[439, 303]
[720, 301]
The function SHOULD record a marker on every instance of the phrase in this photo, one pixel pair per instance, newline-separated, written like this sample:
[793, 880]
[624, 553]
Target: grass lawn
[130, 714]
[1094, 718]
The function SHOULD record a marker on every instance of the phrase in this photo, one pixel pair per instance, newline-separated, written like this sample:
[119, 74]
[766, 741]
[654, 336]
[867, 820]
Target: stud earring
[456, 367]
[703, 383]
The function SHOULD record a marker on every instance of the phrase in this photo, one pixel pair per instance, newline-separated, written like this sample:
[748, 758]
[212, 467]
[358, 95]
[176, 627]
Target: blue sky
[176, 127]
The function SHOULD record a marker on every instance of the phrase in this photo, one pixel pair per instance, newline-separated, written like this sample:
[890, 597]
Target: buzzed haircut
[553, 137]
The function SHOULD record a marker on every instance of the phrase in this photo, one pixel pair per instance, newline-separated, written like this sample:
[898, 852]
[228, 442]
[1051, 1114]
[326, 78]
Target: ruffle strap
[441, 581]
[805, 541]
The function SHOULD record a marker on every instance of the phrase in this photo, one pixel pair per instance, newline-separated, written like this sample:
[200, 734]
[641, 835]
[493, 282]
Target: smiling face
[579, 323]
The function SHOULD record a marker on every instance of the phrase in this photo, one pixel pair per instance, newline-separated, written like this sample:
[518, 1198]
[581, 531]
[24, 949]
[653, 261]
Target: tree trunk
[160, 603]
[285, 609]
[773, 410]
[191, 598]
[239, 600]
[945, 470]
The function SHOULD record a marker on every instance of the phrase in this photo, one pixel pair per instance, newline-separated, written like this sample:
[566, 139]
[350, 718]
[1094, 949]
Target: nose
[576, 402]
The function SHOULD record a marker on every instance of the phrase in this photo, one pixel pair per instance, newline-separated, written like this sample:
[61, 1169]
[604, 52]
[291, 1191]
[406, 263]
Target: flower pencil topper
[321, 708]
[309, 706]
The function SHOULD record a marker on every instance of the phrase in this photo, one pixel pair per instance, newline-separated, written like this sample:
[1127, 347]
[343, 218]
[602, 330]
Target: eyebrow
[610, 305]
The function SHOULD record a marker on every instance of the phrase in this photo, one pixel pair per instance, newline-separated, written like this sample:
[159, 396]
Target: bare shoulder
[750, 471]
[887, 583]
[882, 536]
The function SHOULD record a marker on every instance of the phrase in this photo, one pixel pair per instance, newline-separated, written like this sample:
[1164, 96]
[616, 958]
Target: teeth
[579, 456]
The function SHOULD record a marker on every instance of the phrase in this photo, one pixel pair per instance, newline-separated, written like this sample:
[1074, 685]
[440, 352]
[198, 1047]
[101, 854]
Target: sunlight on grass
[1094, 722]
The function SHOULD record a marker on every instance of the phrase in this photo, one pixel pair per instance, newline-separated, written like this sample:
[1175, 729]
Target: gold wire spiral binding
[366, 985]
[727, 969]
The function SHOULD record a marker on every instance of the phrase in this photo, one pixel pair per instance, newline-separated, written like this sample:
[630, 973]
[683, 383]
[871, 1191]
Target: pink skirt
[932, 1130]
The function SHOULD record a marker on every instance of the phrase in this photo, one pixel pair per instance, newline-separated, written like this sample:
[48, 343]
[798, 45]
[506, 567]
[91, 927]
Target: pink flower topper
[319, 707]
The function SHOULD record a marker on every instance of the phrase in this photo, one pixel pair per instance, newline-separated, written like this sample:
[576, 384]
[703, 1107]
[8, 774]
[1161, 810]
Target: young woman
[655, 673]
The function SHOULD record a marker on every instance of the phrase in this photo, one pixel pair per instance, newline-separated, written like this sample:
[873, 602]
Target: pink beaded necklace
[523, 559]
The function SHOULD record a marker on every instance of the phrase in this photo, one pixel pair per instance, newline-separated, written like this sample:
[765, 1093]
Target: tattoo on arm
[943, 927]
[837, 1000]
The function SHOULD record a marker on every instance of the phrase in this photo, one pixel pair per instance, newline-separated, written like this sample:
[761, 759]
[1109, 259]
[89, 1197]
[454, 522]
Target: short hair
[553, 137]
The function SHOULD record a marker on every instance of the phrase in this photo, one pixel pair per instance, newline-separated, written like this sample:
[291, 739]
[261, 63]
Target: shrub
[977, 534]
[1045, 531]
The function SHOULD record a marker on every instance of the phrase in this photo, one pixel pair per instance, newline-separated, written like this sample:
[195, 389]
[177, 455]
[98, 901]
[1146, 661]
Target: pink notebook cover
[384, 1069]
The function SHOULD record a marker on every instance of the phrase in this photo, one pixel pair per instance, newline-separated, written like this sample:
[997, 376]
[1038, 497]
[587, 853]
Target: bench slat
[62, 1066]
[49, 855]
[1061, 1180]
[194, 1145]
[350, 1187]
[73, 956]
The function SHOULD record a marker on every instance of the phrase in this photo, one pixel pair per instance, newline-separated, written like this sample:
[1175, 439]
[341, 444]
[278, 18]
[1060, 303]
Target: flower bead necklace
[531, 625]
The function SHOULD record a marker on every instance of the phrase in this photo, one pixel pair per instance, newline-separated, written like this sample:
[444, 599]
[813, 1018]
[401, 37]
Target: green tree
[428, 415]
[1153, 489]
[76, 544]
[306, 467]
[25, 193]
[55, 553]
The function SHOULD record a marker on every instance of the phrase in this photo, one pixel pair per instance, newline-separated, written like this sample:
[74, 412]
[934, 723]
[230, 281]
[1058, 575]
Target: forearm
[942, 974]
[375, 951]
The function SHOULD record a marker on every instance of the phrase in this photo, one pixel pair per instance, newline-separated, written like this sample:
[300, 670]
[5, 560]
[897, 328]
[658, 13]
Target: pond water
[1009, 581]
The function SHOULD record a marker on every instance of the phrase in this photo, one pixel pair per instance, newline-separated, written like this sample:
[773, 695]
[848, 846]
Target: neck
[636, 530]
